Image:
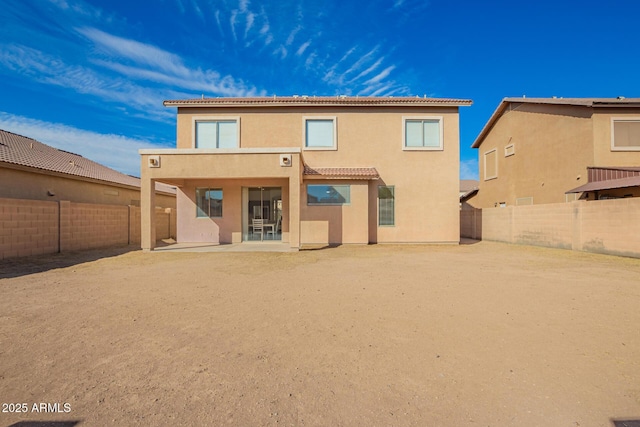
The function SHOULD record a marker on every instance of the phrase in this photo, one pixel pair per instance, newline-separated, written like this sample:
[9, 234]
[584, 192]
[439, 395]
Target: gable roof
[23, 151]
[619, 102]
[317, 101]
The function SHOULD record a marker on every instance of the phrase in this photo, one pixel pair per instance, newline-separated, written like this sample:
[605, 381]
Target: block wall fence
[599, 226]
[33, 227]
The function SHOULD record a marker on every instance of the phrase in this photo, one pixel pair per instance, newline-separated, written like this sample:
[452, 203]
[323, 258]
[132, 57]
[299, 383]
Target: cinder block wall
[600, 226]
[28, 227]
[94, 226]
[33, 227]
[610, 227]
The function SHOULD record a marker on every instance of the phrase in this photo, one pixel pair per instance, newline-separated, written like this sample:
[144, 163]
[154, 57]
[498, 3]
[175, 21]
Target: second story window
[320, 133]
[216, 133]
[423, 133]
[625, 135]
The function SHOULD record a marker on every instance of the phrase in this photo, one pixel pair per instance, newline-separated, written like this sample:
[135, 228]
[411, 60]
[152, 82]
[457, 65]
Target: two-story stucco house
[554, 150]
[310, 170]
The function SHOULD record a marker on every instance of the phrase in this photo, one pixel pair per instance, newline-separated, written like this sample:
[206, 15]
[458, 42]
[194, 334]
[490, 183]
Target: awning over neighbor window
[610, 184]
[608, 178]
[340, 173]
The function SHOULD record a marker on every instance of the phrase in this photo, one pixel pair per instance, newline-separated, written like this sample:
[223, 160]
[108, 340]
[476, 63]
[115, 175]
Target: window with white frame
[490, 164]
[422, 133]
[320, 133]
[386, 205]
[320, 194]
[216, 133]
[209, 202]
[625, 134]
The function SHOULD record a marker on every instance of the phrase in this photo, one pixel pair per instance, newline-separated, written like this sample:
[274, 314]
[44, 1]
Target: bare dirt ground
[485, 334]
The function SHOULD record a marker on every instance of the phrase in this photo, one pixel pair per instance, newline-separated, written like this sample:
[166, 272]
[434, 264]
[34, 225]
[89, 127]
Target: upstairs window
[625, 134]
[216, 134]
[423, 133]
[320, 133]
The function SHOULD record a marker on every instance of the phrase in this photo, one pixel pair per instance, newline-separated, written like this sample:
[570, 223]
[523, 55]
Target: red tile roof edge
[317, 101]
[341, 172]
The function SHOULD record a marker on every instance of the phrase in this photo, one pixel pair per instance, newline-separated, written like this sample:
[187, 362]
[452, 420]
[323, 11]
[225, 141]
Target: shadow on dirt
[46, 423]
[16, 267]
[626, 423]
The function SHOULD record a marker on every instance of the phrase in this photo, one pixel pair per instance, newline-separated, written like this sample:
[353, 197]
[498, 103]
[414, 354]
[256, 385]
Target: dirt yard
[485, 334]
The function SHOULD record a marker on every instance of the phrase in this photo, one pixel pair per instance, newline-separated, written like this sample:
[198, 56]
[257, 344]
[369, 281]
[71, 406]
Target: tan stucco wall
[336, 224]
[553, 147]
[426, 182]
[34, 186]
[604, 156]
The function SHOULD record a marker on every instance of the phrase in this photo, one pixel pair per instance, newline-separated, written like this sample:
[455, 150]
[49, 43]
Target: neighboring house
[547, 150]
[467, 186]
[32, 170]
[310, 170]
[468, 189]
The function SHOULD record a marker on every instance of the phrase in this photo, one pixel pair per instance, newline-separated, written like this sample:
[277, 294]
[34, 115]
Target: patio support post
[148, 214]
[294, 211]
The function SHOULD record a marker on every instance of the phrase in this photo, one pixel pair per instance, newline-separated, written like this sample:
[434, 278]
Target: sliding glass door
[261, 214]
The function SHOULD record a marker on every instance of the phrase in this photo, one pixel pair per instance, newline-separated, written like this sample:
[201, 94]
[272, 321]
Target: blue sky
[89, 76]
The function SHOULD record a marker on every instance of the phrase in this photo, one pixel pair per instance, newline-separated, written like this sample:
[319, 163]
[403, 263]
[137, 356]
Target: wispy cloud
[155, 64]
[384, 74]
[303, 47]
[469, 169]
[115, 151]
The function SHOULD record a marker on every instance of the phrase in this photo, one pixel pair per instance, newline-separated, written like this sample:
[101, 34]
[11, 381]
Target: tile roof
[468, 185]
[340, 173]
[589, 102]
[618, 102]
[23, 151]
[316, 101]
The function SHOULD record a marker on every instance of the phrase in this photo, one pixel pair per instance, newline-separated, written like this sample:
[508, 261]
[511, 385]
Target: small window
[422, 133]
[386, 205]
[490, 165]
[328, 194]
[509, 150]
[320, 133]
[216, 134]
[209, 202]
[625, 134]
